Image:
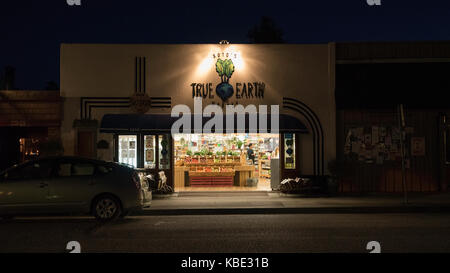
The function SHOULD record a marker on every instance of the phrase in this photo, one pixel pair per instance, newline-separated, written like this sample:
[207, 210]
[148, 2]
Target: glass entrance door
[128, 149]
[156, 155]
[149, 153]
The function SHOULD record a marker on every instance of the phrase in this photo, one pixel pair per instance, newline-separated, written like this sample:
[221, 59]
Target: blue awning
[116, 123]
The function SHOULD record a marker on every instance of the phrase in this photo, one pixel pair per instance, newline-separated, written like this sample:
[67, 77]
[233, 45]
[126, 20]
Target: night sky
[31, 31]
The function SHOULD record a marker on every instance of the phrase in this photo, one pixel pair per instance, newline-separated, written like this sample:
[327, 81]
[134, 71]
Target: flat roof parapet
[393, 50]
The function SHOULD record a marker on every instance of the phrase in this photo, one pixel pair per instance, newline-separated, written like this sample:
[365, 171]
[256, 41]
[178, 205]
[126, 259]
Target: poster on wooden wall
[377, 144]
[417, 146]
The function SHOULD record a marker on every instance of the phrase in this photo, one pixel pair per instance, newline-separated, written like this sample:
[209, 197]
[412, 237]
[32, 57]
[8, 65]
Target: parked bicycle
[160, 186]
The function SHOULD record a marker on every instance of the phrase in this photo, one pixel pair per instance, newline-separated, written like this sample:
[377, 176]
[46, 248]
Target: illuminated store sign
[226, 64]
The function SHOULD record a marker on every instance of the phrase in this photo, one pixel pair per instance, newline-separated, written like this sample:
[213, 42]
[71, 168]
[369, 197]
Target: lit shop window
[149, 154]
[29, 148]
[127, 149]
[289, 151]
[164, 152]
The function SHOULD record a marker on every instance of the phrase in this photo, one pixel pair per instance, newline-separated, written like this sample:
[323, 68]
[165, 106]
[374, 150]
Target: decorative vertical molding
[139, 78]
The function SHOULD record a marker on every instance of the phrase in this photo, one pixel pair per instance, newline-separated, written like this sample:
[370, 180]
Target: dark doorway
[85, 144]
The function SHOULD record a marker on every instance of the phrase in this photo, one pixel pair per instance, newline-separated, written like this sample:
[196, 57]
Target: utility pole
[402, 125]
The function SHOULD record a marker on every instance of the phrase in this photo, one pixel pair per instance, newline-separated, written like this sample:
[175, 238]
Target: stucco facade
[99, 79]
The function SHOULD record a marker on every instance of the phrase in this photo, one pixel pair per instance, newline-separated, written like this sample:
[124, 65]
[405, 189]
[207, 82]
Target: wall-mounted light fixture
[224, 51]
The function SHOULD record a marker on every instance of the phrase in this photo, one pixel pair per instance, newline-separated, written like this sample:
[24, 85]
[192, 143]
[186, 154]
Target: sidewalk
[196, 203]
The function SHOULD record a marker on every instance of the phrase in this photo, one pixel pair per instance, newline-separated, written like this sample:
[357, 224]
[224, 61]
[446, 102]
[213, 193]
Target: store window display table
[211, 179]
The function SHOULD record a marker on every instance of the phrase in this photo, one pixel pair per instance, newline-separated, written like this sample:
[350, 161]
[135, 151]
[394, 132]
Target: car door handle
[43, 185]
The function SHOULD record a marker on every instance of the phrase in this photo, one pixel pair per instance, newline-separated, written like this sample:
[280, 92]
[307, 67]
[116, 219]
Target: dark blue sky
[31, 31]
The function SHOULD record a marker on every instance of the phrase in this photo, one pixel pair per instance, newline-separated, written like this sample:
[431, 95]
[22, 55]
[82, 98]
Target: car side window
[64, 169]
[70, 169]
[32, 170]
[83, 169]
[18, 173]
[102, 169]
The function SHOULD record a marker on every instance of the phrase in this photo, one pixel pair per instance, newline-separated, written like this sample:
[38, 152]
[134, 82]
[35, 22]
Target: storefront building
[372, 79]
[118, 101]
[30, 123]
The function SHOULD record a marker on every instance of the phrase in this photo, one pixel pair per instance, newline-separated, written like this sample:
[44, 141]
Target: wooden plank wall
[423, 174]
[30, 108]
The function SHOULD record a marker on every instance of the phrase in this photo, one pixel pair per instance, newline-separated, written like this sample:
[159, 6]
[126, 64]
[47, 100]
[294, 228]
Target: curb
[164, 196]
[312, 210]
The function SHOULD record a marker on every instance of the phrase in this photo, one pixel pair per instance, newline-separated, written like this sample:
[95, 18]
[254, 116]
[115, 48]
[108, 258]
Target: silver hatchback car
[72, 185]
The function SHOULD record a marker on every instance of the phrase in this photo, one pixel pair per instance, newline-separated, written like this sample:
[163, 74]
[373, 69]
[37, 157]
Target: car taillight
[137, 180]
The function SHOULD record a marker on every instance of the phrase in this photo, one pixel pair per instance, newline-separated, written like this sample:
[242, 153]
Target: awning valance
[116, 123]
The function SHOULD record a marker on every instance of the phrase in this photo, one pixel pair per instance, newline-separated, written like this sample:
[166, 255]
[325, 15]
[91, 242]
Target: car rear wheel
[106, 208]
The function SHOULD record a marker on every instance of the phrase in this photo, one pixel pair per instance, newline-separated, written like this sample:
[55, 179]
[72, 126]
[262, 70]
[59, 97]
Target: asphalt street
[231, 233]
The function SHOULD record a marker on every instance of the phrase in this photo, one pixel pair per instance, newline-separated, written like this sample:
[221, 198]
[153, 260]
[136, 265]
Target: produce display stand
[211, 179]
[213, 171]
[264, 168]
